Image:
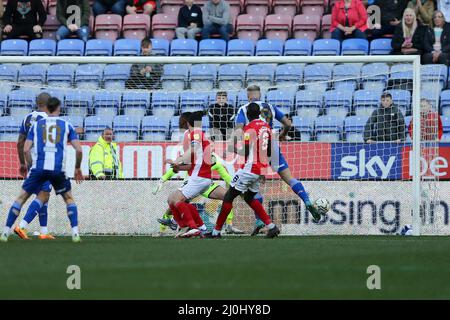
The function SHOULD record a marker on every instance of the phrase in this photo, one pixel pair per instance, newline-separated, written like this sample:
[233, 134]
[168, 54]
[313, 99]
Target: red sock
[177, 215]
[195, 215]
[186, 215]
[260, 212]
[224, 212]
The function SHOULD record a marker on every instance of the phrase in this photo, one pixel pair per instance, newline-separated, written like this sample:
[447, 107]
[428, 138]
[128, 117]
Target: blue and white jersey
[29, 120]
[50, 137]
[268, 113]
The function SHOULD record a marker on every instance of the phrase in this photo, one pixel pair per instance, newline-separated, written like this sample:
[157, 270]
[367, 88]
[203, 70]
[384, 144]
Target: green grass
[332, 267]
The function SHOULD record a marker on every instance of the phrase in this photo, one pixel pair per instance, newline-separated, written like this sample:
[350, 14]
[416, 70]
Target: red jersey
[257, 138]
[186, 140]
[201, 155]
[430, 127]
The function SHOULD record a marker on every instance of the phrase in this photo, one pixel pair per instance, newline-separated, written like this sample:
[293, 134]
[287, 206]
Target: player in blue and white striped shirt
[47, 140]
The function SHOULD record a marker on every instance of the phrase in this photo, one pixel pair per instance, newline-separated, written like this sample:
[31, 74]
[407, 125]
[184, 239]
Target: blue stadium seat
[160, 47]
[14, 47]
[8, 72]
[269, 47]
[317, 76]
[136, 103]
[61, 75]
[175, 76]
[193, 101]
[261, 74]
[99, 47]
[328, 129]
[9, 128]
[380, 46]
[326, 47]
[175, 123]
[205, 123]
[94, 126]
[445, 103]
[402, 99]
[42, 47]
[430, 73]
[115, 76]
[32, 73]
[308, 103]
[89, 76]
[203, 76]
[401, 72]
[365, 102]
[212, 47]
[3, 102]
[127, 47]
[107, 103]
[78, 102]
[374, 76]
[155, 128]
[70, 47]
[297, 47]
[231, 76]
[289, 74]
[338, 102]
[21, 102]
[446, 128]
[282, 99]
[305, 126]
[164, 104]
[354, 128]
[183, 47]
[76, 121]
[126, 128]
[355, 47]
[346, 76]
[56, 92]
[242, 97]
[241, 47]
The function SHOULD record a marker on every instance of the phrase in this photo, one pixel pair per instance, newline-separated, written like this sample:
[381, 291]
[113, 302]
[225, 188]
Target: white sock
[44, 230]
[75, 230]
[7, 231]
[23, 224]
[202, 227]
[215, 232]
[271, 225]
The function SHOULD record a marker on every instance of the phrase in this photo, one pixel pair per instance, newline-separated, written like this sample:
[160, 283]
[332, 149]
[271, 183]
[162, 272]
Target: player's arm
[73, 140]
[287, 124]
[20, 147]
[27, 150]
[167, 176]
[182, 163]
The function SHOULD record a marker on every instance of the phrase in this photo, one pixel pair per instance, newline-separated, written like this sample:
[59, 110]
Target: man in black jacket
[386, 123]
[73, 20]
[221, 114]
[391, 16]
[24, 18]
[144, 76]
[190, 20]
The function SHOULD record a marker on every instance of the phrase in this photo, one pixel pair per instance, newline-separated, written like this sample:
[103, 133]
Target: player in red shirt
[197, 161]
[257, 152]
[430, 123]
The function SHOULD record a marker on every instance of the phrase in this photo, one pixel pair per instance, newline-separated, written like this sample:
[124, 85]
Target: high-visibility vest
[104, 160]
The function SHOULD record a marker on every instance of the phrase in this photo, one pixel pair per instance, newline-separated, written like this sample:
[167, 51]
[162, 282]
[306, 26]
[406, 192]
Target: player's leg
[227, 206]
[185, 214]
[218, 193]
[34, 209]
[257, 207]
[167, 220]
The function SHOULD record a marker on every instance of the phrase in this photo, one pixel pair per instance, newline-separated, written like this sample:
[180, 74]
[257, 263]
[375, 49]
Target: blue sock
[33, 209]
[13, 213]
[258, 197]
[43, 215]
[72, 214]
[298, 188]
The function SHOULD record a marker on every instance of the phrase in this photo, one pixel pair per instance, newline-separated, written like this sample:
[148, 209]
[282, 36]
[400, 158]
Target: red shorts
[141, 8]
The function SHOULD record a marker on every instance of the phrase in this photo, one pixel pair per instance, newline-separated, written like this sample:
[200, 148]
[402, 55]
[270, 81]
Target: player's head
[386, 100]
[42, 100]
[425, 106]
[183, 120]
[253, 93]
[221, 97]
[54, 106]
[146, 47]
[253, 111]
[107, 134]
[195, 119]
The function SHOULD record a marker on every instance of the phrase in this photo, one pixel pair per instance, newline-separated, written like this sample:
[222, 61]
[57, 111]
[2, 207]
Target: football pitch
[313, 267]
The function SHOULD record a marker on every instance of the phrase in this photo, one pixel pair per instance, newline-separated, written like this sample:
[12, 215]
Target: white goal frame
[414, 59]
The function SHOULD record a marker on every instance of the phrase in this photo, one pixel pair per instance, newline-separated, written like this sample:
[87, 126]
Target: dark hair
[42, 99]
[145, 43]
[253, 87]
[386, 94]
[53, 104]
[183, 120]
[253, 111]
[195, 117]
[221, 93]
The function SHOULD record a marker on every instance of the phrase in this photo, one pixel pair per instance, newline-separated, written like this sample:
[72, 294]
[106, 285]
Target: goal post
[330, 165]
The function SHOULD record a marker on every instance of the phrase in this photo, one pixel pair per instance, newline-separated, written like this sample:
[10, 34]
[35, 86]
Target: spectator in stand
[141, 6]
[430, 123]
[71, 24]
[348, 20]
[386, 123]
[424, 10]
[2, 9]
[104, 6]
[408, 36]
[24, 18]
[190, 20]
[444, 7]
[217, 19]
[436, 43]
[391, 15]
[221, 115]
[144, 76]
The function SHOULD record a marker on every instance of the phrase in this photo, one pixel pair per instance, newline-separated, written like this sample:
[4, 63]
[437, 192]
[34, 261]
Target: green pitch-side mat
[329, 267]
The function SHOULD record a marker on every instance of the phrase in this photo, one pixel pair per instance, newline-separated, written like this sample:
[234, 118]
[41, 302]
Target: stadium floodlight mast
[411, 59]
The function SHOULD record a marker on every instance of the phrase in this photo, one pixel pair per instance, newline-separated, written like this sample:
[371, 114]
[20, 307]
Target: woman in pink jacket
[348, 20]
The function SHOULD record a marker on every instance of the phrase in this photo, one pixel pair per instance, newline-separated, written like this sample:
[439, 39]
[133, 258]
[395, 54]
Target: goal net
[351, 139]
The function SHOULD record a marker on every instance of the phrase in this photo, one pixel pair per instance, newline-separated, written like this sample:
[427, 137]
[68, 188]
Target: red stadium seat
[50, 26]
[326, 24]
[288, 7]
[136, 26]
[313, 10]
[257, 7]
[108, 26]
[314, 2]
[163, 26]
[171, 6]
[249, 27]
[278, 26]
[306, 26]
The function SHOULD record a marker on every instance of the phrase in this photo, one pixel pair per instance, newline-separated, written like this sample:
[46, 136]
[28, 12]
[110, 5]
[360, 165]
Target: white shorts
[195, 186]
[243, 181]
